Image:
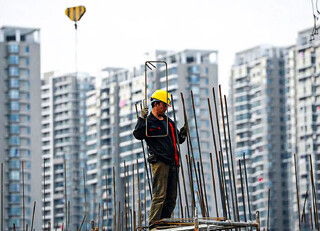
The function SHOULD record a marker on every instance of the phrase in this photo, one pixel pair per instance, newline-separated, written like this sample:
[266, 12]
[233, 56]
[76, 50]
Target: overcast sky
[119, 32]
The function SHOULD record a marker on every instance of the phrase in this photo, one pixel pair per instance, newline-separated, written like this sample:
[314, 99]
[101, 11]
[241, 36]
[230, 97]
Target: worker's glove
[183, 131]
[144, 112]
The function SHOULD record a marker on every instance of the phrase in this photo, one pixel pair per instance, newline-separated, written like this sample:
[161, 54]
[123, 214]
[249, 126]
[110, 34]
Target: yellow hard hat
[161, 95]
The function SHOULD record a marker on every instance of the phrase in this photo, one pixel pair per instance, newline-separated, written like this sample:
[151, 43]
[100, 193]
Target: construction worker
[163, 155]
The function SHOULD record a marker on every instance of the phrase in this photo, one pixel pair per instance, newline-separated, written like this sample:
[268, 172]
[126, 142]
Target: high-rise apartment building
[20, 125]
[113, 144]
[257, 109]
[303, 101]
[64, 141]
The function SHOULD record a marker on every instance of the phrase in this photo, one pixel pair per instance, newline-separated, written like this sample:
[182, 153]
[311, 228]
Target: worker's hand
[183, 131]
[144, 112]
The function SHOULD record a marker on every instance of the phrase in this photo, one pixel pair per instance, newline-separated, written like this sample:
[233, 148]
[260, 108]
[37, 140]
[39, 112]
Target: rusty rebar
[297, 189]
[144, 158]
[247, 186]
[180, 160]
[268, 214]
[242, 192]
[83, 219]
[139, 198]
[65, 194]
[125, 193]
[303, 215]
[114, 200]
[2, 197]
[23, 201]
[200, 156]
[214, 186]
[231, 156]
[314, 195]
[133, 199]
[33, 212]
[85, 197]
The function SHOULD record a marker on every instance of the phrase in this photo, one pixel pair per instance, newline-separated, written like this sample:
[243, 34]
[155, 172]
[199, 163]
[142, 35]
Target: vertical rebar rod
[107, 202]
[114, 199]
[102, 215]
[242, 192]
[119, 220]
[65, 194]
[145, 201]
[315, 195]
[268, 214]
[98, 218]
[214, 186]
[23, 202]
[44, 193]
[231, 157]
[200, 156]
[303, 216]
[247, 186]
[125, 193]
[85, 197]
[14, 227]
[203, 206]
[49, 224]
[221, 150]
[225, 190]
[311, 218]
[83, 219]
[2, 197]
[133, 199]
[219, 170]
[258, 220]
[33, 211]
[189, 167]
[139, 197]
[27, 227]
[227, 154]
[69, 211]
[297, 189]
[190, 140]
[144, 158]
[180, 160]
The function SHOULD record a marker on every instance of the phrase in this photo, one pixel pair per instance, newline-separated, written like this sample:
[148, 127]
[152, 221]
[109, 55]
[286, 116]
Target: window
[28, 142]
[194, 69]
[28, 107]
[14, 152]
[27, 96]
[14, 83]
[27, 50]
[27, 73]
[13, 59]
[14, 175]
[13, 48]
[14, 164]
[194, 79]
[14, 106]
[27, 61]
[14, 118]
[14, 129]
[14, 211]
[14, 94]
[28, 130]
[14, 199]
[28, 153]
[14, 187]
[14, 71]
[14, 140]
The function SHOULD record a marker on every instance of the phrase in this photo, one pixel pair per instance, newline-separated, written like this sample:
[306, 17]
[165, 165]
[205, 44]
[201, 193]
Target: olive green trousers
[164, 191]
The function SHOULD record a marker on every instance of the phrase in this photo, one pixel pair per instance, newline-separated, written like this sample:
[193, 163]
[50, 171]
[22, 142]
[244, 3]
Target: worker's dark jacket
[164, 148]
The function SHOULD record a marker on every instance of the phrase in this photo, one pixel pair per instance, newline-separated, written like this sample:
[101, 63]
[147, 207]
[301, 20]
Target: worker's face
[161, 108]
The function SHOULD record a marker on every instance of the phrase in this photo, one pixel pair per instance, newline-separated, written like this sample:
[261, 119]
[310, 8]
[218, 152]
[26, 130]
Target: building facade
[63, 102]
[20, 125]
[257, 108]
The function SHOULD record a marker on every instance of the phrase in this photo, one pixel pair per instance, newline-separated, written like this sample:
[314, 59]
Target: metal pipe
[180, 160]
[221, 150]
[33, 212]
[200, 155]
[231, 156]
[242, 191]
[222, 196]
[247, 186]
[23, 202]
[214, 185]
[297, 189]
[85, 197]
[144, 158]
